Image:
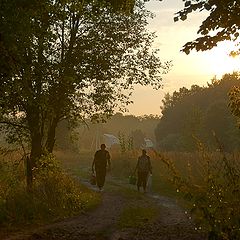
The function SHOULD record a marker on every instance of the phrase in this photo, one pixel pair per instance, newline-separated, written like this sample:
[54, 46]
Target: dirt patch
[170, 222]
[91, 225]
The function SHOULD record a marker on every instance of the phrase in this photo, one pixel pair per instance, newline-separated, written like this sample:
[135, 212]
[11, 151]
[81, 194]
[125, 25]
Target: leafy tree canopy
[234, 97]
[223, 23]
[70, 59]
[197, 113]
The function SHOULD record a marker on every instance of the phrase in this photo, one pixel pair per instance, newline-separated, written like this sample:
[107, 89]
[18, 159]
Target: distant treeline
[196, 115]
[85, 135]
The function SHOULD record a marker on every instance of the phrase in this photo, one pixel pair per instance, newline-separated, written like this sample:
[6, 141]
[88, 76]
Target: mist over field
[75, 164]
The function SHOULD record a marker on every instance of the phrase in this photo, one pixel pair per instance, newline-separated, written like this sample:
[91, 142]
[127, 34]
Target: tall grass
[210, 182]
[54, 193]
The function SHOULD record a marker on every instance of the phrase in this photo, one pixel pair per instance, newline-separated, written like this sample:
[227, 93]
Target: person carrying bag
[143, 169]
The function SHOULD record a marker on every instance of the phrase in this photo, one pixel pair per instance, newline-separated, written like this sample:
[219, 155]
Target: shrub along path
[123, 214]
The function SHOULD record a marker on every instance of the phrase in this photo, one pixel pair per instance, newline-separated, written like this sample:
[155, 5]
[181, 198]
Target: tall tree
[68, 59]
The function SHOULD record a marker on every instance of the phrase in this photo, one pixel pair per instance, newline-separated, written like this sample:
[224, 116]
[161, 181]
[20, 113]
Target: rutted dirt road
[102, 223]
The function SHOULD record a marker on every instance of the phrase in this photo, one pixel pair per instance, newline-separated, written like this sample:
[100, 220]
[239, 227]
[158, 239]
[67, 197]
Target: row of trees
[69, 60]
[189, 115]
[84, 136]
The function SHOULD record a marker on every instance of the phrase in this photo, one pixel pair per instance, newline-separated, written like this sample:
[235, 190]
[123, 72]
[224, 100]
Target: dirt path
[103, 223]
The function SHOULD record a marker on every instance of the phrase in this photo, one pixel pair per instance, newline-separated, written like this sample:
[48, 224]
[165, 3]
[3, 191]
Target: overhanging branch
[14, 124]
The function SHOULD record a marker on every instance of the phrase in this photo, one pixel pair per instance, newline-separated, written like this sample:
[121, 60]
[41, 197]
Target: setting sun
[119, 119]
[220, 61]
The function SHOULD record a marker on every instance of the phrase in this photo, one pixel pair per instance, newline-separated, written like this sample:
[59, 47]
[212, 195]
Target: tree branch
[14, 124]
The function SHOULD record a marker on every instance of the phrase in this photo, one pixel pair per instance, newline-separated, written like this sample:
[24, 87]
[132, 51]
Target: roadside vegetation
[54, 195]
[68, 62]
[209, 184]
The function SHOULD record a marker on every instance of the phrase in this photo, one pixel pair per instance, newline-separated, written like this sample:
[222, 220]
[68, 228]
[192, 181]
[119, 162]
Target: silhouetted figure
[143, 169]
[100, 163]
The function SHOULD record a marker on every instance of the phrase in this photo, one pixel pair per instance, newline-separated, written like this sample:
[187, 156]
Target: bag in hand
[132, 180]
[93, 179]
[149, 182]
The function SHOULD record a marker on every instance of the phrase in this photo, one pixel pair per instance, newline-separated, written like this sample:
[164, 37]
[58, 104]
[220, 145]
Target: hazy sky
[195, 68]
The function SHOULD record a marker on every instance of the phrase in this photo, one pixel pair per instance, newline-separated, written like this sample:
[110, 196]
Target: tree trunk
[29, 173]
[36, 152]
[51, 135]
[34, 120]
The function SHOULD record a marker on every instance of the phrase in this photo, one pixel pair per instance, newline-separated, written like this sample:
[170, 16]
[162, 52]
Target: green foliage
[122, 142]
[125, 6]
[70, 48]
[234, 98]
[126, 143]
[197, 113]
[12, 170]
[221, 24]
[46, 166]
[53, 195]
[64, 134]
[210, 184]
[70, 59]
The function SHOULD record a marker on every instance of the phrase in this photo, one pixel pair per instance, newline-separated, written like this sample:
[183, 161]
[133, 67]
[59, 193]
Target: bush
[54, 195]
[212, 191]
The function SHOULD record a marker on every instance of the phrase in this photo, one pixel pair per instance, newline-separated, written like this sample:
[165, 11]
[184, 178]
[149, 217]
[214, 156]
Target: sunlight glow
[220, 62]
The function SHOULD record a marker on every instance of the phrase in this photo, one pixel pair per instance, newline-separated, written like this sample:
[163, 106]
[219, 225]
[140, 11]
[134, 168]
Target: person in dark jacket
[143, 169]
[100, 164]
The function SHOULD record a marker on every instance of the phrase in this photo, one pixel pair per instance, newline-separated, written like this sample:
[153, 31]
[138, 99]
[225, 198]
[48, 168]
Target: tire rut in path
[97, 224]
[102, 222]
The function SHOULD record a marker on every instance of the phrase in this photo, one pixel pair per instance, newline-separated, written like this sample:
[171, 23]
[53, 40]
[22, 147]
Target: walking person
[100, 164]
[143, 169]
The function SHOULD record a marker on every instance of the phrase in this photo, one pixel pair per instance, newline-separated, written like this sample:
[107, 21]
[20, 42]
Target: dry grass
[55, 194]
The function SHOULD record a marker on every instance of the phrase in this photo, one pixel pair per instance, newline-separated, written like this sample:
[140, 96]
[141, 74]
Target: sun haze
[195, 68]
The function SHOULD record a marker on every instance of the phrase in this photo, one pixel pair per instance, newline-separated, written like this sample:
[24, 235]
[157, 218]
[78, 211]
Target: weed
[212, 191]
[54, 195]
